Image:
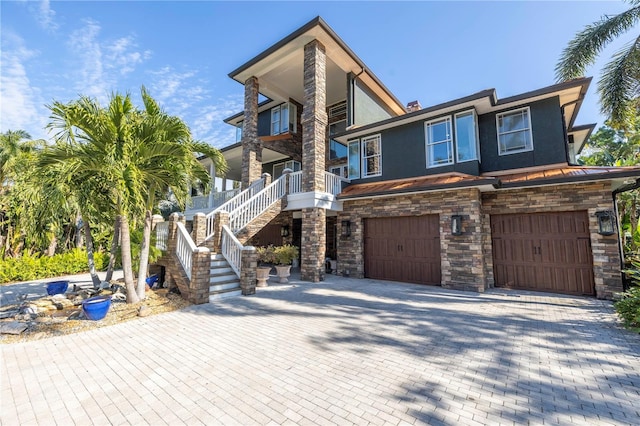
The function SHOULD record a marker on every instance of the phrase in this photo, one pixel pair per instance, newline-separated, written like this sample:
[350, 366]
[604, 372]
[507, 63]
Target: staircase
[225, 229]
[223, 281]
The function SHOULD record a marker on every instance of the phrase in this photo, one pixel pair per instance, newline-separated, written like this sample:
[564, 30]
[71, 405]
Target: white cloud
[45, 16]
[21, 106]
[100, 63]
[208, 125]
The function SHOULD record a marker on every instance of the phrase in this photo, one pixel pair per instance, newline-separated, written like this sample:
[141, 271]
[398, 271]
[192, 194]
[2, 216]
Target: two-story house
[469, 194]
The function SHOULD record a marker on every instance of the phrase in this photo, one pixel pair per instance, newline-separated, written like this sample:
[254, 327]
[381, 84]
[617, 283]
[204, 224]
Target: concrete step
[231, 285]
[224, 294]
[217, 256]
[219, 263]
[220, 279]
[221, 270]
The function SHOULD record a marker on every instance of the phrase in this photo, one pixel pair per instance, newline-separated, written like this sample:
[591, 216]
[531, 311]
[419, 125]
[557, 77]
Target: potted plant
[265, 259]
[284, 256]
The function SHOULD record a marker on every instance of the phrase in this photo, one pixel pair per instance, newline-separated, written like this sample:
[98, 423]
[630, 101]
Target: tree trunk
[144, 255]
[92, 265]
[114, 249]
[127, 268]
[79, 225]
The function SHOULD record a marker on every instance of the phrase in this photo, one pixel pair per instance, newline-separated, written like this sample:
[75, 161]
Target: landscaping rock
[13, 327]
[144, 311]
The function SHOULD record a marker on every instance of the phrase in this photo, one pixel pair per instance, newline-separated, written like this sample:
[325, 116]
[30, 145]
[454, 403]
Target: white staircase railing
[185, 247]
[233, 204]
[162, 235]
[258, 204]
[231, 249]
[295, 182]
[333, 183]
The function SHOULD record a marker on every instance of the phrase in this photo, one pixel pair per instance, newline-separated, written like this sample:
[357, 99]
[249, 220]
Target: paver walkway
[344, 351]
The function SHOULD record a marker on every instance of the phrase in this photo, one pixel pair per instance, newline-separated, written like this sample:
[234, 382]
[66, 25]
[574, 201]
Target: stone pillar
[156, 219]
[249, 260]
[199, 231]
[251, 145]
[314, 244]
[314, 126]
[222, 218]
[200, 272]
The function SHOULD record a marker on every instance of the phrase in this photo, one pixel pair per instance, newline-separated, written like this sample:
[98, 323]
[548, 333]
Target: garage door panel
[543, 251]
[409, 247]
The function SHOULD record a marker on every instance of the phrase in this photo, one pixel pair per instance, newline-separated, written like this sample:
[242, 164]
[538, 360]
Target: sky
[182, 51]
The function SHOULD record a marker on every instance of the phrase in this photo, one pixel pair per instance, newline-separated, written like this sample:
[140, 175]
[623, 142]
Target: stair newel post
[222, 219]
[267, 179]
[199, 231]
[248, 274]
[200, 271]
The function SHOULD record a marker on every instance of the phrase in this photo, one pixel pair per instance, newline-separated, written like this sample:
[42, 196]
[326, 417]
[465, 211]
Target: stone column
[222, 218]
[251, 145]
[199, 231]
[249, 259]
[200, 272]
[314, 126]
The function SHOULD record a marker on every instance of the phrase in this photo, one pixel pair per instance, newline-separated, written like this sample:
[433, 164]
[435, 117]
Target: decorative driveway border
[343, 351]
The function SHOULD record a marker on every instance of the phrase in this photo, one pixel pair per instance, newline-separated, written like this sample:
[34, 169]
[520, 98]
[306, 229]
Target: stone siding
[591, 197]
[251, 144]
[462, 261]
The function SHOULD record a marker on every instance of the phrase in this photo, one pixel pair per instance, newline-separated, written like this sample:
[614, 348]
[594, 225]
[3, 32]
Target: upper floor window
[439, 142]
[365, 157]
[466, 136]
[239, 131]
[514, 131]
[371, 156]
[283, 119]
[336, 150]
[278, 168]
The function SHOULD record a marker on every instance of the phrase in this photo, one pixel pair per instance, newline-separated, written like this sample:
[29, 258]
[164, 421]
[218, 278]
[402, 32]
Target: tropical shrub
[628, 308]
[284, 255]
[266, 255]
[32, 267]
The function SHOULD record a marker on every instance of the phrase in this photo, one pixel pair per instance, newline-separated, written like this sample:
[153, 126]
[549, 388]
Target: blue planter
[151, 280]
[96, 308]
[57, 287]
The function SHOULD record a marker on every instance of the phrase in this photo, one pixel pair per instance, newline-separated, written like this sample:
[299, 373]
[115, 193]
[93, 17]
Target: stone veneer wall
[314, 126]
[462, 262]
[591, 197]
[467, 260]
[251, 144]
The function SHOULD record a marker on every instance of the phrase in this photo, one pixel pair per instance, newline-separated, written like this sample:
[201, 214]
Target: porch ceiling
[233, 156]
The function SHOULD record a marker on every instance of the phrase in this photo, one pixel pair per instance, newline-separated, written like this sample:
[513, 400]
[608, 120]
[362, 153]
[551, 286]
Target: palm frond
[587, 44]
[619, 86]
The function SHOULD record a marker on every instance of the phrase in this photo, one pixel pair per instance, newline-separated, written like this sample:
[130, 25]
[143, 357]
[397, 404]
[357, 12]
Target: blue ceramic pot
[96, 308]
[57, 287]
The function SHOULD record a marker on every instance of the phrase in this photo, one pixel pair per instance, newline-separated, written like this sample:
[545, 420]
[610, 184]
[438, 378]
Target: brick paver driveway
[339, 352]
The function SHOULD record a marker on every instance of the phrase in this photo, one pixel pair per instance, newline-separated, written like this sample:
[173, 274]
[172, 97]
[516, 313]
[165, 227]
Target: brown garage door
[543, 251]
[403, 249]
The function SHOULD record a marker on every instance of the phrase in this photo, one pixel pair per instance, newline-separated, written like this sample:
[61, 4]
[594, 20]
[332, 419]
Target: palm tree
[167, 162]
[619, 84]
[95, 145]
[12, 145]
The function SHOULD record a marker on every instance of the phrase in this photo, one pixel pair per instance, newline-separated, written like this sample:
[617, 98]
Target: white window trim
[475, 125]
[427, 144]
[377, 137]
[286, 164]
[353, 141]
[529, 129]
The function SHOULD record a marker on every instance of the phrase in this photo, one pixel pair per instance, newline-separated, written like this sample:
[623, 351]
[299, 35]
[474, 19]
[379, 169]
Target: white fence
[233, 204]
[255, 206]
[162, 235]
[231, 250]
[295, 182]
[185, 248]
[333, 183]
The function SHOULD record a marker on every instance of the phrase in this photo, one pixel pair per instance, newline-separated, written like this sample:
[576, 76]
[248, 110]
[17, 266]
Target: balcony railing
[162, 235]
[233, 204]
[212, 201]
[333, 183]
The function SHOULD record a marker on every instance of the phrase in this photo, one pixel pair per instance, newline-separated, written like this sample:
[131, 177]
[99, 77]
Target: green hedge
[32, 267]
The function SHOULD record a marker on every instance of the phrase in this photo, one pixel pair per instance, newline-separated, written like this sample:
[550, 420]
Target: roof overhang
[233, 155]
[280, 68]
[581, 135]
[570, 94]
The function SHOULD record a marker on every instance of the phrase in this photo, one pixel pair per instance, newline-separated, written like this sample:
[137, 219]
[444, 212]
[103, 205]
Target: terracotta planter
[283, 272]
[262, 274]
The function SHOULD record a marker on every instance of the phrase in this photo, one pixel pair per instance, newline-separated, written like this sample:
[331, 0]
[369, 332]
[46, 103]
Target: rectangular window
[514, 131]
[466, 137]
[354, 159]
[341, 170]
[371, 156]
[239, 131]
[283, 119]
[278, 168]
[439, 142]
